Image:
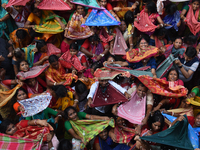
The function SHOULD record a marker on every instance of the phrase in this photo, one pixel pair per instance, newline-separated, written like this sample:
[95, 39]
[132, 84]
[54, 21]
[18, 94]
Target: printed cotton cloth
[87, 3]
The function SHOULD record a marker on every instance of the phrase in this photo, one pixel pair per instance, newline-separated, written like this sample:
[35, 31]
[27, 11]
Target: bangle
[180, 66]
[90, 117]
[59, 115]
[172, 113]
[35, 121]
[161, 103]
[54, 83]
[75, 100]
[161, 25]
[93, 55]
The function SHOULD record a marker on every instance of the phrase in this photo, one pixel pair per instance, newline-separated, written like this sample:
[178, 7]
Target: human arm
[121, 63]
[180, 118]
[37, 122]
[153, 71]
[163, 102]
[116, 17]
[6, 17]
[95, 117]
[40, 62]
[112, 135]
[28, 25]
[60, 22]
[86, 52]
[149, 108]
[50, 83]
[184, 11]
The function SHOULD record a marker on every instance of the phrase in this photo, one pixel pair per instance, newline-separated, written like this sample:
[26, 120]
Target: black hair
[198, 114]
[80, 87]
[129, 17]
[53, 58]
[64, 144]
[34, 34]
[21, 34]
[111, 56]
[195, 1]
[1, 118]
[157, 116]
[191, 52]
[100, 0]
[66, 111]
[18, 53]
[146, 1]
[160, 32]
[151, 7]
[60, 90]
[173, 69]
[140, 84]
[40, 44]
[19, 62]
[177, 37]
[96, 65]
[145, 37]
[171, 9]
[4, 125]
[73, 46]
[94, 37]
[20, 89]
[190, 39]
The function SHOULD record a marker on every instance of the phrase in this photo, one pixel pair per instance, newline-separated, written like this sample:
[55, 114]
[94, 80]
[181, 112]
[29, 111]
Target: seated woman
[56, 74]
[64, 47]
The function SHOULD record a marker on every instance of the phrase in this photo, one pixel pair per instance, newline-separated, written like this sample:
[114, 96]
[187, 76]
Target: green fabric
[29, 54]
[88, 129]
[196, 91]
[186, 7]
[89, 3]
[176, 136]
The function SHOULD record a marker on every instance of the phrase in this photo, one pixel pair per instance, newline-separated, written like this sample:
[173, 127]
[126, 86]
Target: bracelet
[180, 66]
[75, 100]
[90, 117]
[59, 115]
[161, 103]
[93, 55]
[35, 121]
[161, 25]
[172, 113]
[17, 80]
[54, 83]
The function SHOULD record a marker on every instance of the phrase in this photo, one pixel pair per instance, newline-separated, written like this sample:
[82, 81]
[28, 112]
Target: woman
[56, 74]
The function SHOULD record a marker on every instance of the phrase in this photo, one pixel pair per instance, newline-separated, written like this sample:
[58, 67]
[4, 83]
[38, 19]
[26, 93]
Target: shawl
[60, 75]
[17, 2]
[109, 96]
[29, 54]
[194, 101]
[75, 30]
[158, 43]
[183, 111]
[53, 5]
[88, 129]
[192, 20]
[67, 58]
[6, 95]
[87, 3]
[134, 110]
[101, 18]
[176, 136]
[136, 55]
[145, 22]
[15, 143]
[49, 24]
[119, 44]
[52, 49]
[123, 134]
[176, 52]
[162, 87]
[33, 72]
[35, 104]
[31, 132]
[172, 20]
[104, 36]
[192, 133]
[161, 70]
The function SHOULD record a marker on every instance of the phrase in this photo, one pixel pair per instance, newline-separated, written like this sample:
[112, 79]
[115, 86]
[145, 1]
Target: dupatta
[134, 110]
[29, 54]
[75, 31]
[192, 20]
[50, 5]
[52, 49]
[87, 3]
[145, 22]
[158, 43]
[172, 20]
[175, 52]
[104, 36]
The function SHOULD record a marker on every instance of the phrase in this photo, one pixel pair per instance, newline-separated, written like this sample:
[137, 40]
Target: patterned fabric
[52, 49]
[17, 2]
[35, 104]
[104, 36]
[160, 6]
[159, 43]
[50, 5]
[172, 20]
[97, 49]
[60, 75]
[145, 22]
[133, 110]
[194, 101]
[183, 111]
[87, 3]
[76, 30]
[161, 87]
[192, 20]
[88, 129]
[176, 52]
[33, 72]
[29, 54]
[16, 143]
[101, 18]
[136, 55]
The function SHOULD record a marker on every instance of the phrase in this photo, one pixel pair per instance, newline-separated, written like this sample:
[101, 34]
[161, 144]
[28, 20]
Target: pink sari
[134, 110]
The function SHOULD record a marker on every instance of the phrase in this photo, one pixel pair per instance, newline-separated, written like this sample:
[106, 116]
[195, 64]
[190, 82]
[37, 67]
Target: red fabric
[145, 22]
[7, 82]
[109, 7]
[17, 2]
[83, 59]
[42, 82]
[86, 45]
[158, 43]
[178, 82]
[192, 20]
[191, 120]
[53, 5]
[104, 36]
[52, 49]
[64, 47]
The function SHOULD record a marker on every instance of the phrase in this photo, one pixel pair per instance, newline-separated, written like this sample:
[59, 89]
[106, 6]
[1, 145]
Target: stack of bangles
[75, 100]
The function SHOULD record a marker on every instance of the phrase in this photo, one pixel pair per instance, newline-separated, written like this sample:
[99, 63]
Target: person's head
[19, 53]
[60, 91]
[103, 3]
[64, 145]
[73, 49]
[197, 120]
[53, 60]
[141, 90]
[22, 65]
[156, 121]
[80, 9]
[123, 26]
[177, 42]
[190, 39]
[143, 42]
[150, 7]
[70, 113]
[36, 11]
[31, 82]
[21, 34]
[129, 17]
[103, 83]
[95, 66]
[80, 87]
[104, 134]
[111, 58]
[172, 75]
[190, 53]
[160, 33]
[7, 127]
[94, 39]
[41, 46]
[195, 4]
[21, 94]
[120, 121]
[171, 9]
[18, 8]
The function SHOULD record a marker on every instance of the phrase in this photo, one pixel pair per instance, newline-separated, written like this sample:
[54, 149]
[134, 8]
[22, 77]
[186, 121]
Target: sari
[75, 30]
[67, 60]
[145, 22]
[97, 50]
[192, 20]
[183, 111]
[29, 54]
[88, 129]
[175, 52]
[60, 75]
[136, 55]
[104, 36]
[52, 49]
[133, 110]
[159, 43]
[48, 24]
[87, 3]
[172, 20]
[50, 5]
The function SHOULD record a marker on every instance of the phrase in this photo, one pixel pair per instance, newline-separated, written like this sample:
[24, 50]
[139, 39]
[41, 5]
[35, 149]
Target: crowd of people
[99, 74]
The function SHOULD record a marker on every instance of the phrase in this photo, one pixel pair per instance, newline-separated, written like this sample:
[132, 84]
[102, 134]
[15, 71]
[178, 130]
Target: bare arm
[85, 51]
[95, 117]
[6, 17]
[163, 102]
[28, 25]
[40, 62]
[121, 63]
[116, 17]
[184, 11]
[71, 131]
[153, 71]
[160, 21]
[61, 23]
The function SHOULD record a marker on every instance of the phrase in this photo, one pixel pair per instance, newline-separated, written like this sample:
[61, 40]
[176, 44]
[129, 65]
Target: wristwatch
[180, 66]
[101, 55]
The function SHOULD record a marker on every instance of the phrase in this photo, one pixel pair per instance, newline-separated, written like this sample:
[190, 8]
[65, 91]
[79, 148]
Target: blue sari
[172, 20]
